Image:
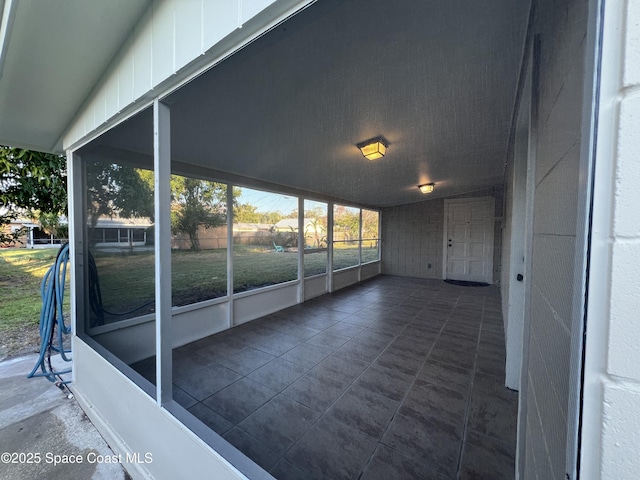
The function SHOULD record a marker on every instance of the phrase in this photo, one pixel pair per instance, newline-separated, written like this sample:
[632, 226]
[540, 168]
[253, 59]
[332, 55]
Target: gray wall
[562, 28]
[412, 237]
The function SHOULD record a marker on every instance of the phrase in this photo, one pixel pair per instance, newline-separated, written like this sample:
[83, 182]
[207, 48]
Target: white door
[469, 239]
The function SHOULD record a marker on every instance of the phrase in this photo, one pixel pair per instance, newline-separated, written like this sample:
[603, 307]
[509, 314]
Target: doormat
[464, 283]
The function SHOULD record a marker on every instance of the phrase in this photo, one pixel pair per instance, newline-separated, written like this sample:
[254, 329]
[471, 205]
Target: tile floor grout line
[351, 384]
[469, 395]
[282, 457]
[343, 393]
[410, 387]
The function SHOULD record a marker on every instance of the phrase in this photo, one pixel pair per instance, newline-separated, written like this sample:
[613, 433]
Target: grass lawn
[21, 273]
[127, 279]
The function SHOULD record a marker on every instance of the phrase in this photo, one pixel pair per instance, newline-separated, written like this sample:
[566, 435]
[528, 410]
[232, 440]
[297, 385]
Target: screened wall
[237, 252]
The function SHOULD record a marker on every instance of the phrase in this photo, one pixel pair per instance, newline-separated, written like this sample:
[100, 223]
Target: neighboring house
[524, 114]
[120, 232]
[108, 232]
[32, 236]
[19, 225]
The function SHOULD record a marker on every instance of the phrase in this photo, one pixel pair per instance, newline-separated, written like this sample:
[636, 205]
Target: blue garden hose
[52, 339]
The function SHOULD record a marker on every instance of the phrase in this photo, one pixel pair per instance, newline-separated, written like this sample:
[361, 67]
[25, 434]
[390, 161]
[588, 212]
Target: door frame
[521, 234]
[457, 201]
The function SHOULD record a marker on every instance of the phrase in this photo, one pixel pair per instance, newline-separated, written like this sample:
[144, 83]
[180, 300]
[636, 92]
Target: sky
[269, 202]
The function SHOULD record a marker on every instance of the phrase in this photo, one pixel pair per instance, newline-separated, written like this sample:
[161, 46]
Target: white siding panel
[98, 113]
[188, 31]
[78, 130]
[162, 55]
[125, 75]
[142, 46]
[219, 19]
[86, 122]
[111, 95]
[250, 8]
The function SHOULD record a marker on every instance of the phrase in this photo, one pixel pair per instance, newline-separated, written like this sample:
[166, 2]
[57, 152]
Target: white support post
[300, 249]
[379, 241]
[230, 254]
[77, 290]
[360, 248]
[162, 200]
[330, 247]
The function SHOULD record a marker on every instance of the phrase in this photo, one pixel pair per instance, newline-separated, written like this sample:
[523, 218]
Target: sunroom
[268, 338]
[288, 315]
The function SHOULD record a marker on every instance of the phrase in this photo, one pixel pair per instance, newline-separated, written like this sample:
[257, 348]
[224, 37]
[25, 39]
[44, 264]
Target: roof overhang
[52, 54]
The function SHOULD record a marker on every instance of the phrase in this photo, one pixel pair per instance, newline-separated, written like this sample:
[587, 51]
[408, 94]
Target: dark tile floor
[395, 378]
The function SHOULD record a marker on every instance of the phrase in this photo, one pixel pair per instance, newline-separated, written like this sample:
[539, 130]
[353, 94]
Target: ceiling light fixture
[373, 148]
[426, 188]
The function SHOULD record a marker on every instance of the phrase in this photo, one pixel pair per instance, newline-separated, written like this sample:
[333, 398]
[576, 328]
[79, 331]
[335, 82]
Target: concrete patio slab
[45, 434]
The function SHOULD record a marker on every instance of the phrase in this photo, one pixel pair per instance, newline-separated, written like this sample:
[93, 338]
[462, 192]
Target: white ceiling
[436, 78]
[58, 51]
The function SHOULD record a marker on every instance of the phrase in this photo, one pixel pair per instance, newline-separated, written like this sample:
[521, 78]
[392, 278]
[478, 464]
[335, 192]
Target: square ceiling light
[373, 148]
[426, 187]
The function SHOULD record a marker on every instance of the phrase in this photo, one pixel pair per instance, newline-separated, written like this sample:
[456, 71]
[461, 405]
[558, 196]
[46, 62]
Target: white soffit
[56, 51]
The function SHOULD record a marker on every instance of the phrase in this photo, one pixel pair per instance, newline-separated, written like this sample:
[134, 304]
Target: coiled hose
[52, 339]
[98, 312]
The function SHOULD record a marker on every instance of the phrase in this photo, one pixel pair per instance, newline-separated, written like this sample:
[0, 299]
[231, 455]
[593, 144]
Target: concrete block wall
[611, 414]
[562, 28]
[412, 239]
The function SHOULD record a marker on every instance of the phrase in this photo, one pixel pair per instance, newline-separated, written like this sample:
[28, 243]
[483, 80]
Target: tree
[370, 223]
[292, 214]
[246, 213]
[271, 217]
[50, 223]
[347, 222]
[197, 202]
[30, 182]
[121, 190]
[316, 229]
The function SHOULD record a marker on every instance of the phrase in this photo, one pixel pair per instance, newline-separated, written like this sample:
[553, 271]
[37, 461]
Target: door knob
[519, 277]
